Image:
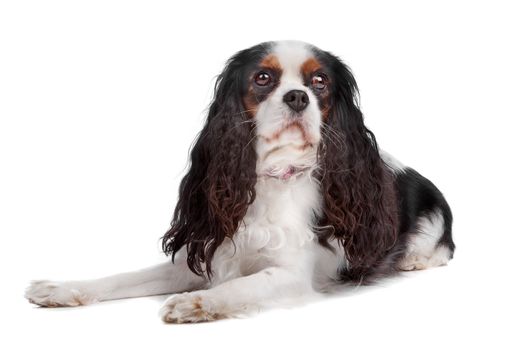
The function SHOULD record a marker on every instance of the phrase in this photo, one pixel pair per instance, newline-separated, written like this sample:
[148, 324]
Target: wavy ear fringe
[359, 198]
[220, 185]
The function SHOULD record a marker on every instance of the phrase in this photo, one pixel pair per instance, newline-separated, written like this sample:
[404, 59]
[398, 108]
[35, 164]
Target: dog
[287, 196]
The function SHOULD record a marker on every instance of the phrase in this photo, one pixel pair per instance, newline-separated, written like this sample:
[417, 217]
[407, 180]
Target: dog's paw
[56, 294]
[190, 308]
[417, 261]
[413, 262]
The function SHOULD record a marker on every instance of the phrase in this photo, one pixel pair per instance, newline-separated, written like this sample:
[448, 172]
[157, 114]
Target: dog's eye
[319, 81]
[262, 79]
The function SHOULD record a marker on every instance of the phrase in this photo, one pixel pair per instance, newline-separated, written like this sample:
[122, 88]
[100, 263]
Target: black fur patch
[418, 197]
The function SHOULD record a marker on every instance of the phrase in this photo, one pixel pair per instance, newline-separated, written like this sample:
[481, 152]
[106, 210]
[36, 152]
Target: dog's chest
[277, 230]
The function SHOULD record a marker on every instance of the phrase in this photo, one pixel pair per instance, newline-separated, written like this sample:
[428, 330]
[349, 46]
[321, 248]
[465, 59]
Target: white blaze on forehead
[291, 56]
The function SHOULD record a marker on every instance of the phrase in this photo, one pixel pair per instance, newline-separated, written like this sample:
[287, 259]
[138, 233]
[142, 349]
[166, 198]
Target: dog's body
[284, 198]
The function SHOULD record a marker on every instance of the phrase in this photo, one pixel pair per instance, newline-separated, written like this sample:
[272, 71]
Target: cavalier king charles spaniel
[287, 196]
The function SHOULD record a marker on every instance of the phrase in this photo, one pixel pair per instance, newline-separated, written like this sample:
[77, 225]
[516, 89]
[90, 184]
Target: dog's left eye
[319, 81]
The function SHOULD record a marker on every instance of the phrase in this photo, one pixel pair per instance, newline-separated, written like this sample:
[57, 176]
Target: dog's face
[287, 94]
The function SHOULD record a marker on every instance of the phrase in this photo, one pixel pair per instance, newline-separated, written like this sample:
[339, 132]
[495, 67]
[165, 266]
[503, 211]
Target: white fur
[394, 164]
[423, 249]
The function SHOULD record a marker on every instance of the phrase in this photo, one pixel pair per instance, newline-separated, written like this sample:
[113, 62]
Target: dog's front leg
[160, 279]
[236, 296]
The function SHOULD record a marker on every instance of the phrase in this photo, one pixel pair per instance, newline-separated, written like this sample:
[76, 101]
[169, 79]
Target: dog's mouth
[299, 127]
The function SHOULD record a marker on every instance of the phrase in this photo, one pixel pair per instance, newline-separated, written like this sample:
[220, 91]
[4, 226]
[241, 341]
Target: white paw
[190, 308]
[413, 262]
[55, 294]
[417, 261]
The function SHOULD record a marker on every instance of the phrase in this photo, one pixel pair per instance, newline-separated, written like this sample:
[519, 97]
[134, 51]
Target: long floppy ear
[220, 185]
[359, 198]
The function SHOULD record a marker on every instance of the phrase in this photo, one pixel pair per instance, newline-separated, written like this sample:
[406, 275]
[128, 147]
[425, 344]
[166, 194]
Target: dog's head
[282, 109]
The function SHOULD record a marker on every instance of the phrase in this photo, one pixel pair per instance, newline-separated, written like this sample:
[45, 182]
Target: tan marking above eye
[271, 62]
[310, 66]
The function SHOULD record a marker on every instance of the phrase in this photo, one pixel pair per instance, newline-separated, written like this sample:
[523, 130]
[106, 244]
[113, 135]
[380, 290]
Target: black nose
[296, 100]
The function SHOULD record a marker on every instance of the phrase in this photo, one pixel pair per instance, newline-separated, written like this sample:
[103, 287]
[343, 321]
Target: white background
[100, 101]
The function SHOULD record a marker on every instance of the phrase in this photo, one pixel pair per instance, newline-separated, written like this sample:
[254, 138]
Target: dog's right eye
[262, 79]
